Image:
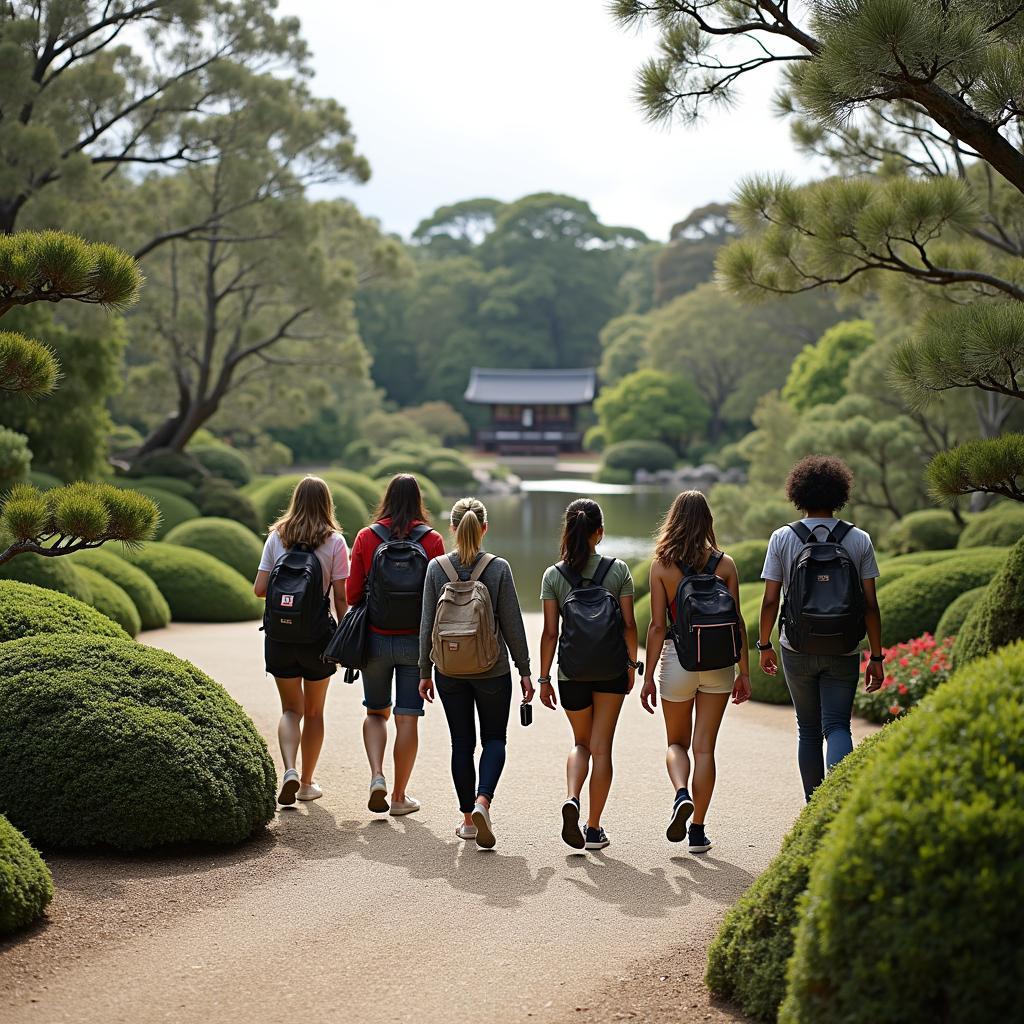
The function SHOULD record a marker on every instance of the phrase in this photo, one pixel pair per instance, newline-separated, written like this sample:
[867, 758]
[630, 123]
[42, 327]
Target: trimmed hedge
[747, 961]
[895, 569]
[432, 496]
[111, 600]
[222, 500]
[636, 455]
[154, 612]
[51, 572]
[641, 573]
[998, 527]
[928, 529]
[226, 540]
[197, 586]
[167, 462]
[26, 610]
[126, 746]
[955, 615]
[369, 490]
[749, 558]
[26, 885]
[913, 605]
[642, 614]
[43, 480]
[998, 618]
[220, 460]
[766, 689]
[272, 499]
[170, 484]
[174, 509]
[913, 906]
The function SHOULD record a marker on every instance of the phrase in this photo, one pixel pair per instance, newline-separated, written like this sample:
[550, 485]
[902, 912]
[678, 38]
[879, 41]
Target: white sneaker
[466, 832]
[289, 787]
[378, 802]
[484, 833]
[406, 806]
[310, 792]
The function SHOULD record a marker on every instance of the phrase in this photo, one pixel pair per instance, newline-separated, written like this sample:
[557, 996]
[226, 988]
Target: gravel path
[334, 916]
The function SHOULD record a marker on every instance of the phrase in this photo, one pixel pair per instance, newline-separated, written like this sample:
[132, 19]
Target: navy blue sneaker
[699, 841]
[572, 835]
[681, 810]
[597, 839]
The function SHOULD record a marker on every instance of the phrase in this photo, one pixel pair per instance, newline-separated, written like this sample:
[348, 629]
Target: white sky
[453, 99]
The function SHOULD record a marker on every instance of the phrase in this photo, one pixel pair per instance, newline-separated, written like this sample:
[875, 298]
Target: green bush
[895, 569]
[154, 612]
[126, 746]
[433, 499]
[635, 455]
[51, 572]
[621, 477]
[166, 462]
[444, 466]
[642, 614]
[912, 911]
[15, 458]
[44, 481]
[26, 886]
[928, 529]
[641, 573]
[998, 618]
[359, 454]
[749, 558]
[272, 500]
[174, 509]
[913, 605]
[226, 540]
[955, 615]
[224, 462]
[766, 689]
[170, 484]
[998, 527]
[197, 586]
[220, 499]
[26, 610]
[368, 489]
[111, 600]
[747, 961]
[451, 474]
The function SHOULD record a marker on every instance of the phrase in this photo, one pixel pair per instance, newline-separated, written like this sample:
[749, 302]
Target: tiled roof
[531, 387]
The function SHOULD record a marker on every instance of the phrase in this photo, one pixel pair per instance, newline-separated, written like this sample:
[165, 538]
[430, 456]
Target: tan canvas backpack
[465, 637]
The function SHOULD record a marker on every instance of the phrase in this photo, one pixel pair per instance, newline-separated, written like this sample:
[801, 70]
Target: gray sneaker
[289, 787]
[378, 802]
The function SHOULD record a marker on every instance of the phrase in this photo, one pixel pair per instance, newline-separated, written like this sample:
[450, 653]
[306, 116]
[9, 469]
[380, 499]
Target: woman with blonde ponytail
[485, 694]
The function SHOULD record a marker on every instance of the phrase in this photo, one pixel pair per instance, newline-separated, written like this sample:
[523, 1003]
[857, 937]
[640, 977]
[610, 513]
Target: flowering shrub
[912, 669]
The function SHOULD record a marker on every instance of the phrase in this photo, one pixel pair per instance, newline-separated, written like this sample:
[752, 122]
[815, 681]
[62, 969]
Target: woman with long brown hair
[693, 703]
[393, 638]
[301, 674]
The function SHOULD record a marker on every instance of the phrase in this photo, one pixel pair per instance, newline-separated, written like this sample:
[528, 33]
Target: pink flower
[904, 688]
[895, 709]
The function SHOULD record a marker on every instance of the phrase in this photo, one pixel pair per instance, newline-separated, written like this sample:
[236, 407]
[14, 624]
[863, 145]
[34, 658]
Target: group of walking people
[447, 624]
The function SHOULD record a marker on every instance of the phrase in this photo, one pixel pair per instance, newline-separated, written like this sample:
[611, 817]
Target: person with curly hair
[822, 685]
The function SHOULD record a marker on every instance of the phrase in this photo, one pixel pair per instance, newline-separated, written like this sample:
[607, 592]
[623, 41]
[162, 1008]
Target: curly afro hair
[819, 482]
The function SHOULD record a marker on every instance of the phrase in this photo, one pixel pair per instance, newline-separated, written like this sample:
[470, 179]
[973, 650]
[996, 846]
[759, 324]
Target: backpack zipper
[715, 625]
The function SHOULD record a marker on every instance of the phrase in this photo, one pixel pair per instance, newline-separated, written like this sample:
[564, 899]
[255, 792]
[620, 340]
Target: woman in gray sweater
[488, 694]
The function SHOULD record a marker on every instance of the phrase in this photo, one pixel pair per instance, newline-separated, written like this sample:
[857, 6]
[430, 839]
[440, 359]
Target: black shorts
[577, 695]
[290, 661]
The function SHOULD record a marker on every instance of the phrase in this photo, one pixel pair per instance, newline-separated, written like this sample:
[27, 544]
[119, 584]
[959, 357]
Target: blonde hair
[310, 518]
[687, 533]
[469, 517]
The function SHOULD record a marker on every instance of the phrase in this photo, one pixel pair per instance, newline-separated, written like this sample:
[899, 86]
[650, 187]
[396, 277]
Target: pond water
[526, 528]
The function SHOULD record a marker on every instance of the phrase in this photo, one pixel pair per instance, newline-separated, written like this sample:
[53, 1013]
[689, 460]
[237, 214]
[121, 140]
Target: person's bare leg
[407, 743]
[606, 715]
[375, 738]
[578, 764]
[710, 709]
[315, 694]
[678, 730]
[289, 729]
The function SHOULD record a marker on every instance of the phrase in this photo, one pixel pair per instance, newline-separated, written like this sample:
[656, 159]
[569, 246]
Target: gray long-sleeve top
[497, 577]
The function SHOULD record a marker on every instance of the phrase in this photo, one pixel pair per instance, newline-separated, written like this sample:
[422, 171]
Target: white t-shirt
[333, 555]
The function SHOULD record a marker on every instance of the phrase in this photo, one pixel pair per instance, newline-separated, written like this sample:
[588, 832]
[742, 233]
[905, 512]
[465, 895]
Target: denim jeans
[490, 699]
[822, 687]
[396, 656]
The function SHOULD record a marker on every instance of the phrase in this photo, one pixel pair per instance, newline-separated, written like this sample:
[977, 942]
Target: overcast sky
[452, 99]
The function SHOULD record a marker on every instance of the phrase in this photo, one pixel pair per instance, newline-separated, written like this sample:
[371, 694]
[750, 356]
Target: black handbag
[348, 645]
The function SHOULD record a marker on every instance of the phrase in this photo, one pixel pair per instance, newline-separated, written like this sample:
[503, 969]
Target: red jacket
[361, 559]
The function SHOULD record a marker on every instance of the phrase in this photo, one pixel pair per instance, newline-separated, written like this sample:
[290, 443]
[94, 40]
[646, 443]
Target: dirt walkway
[334, 916]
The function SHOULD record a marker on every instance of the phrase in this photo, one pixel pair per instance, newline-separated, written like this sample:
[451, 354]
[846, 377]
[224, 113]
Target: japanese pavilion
[533, 412]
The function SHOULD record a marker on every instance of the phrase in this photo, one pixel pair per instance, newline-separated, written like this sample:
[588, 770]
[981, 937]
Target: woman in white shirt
[299, 669]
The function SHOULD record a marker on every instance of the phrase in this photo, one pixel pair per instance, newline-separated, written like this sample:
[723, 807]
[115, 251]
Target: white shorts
[676, 684]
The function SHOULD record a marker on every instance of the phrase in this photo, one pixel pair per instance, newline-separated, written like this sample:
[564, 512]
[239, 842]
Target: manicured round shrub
[154, 612]
[44, 481]
[433, 499]
[749, 558]
[360, 453]
[166, 462]
[368, 489]
[895, 569]
[642, 614]
[997, 618]
[26, 610]
[766, 689]
[641, 573]
[928, 529]
[998, 527]
[955, 615]
[174, 509]
[634, 455]
[170, 484]
[272, 500]
[224, 500]
[197, 586]
[747, 961]
[451, 474]
[226, 540]
[909, 915]
[126, 746]
[26, 885]
[913, 605]
[51, 572]
[935, 557]
[109, 598]
[224, 462]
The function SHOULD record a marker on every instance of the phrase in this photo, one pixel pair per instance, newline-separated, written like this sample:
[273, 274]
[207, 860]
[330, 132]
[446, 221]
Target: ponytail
[583, 518]
[469, 517]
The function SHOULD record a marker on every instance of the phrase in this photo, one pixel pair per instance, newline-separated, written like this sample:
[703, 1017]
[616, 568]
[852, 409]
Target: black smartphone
[525, 713]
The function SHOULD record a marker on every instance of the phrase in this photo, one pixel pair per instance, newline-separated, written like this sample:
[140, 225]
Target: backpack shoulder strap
[840, 531]
[382, 533]
[571, 575]
[445, 561]
[603, 568]
[417, 533]
[482, 562]
[801, 531]
[713, 562]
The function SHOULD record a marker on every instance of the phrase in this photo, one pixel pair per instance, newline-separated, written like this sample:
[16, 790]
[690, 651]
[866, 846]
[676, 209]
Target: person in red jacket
[393, 653]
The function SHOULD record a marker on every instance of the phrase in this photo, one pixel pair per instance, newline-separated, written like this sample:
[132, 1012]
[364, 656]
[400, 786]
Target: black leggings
[491, 698]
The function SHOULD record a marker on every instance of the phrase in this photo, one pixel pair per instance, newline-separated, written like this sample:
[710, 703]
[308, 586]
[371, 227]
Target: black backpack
[395, 587]
[824, 608]
[591, 646]
[706, 632]
[298, 611]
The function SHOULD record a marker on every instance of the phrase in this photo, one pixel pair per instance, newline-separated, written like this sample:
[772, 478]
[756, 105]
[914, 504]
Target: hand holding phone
[526, 713]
